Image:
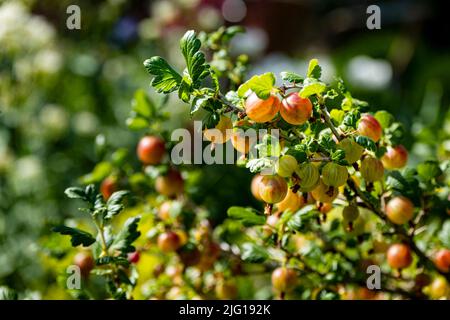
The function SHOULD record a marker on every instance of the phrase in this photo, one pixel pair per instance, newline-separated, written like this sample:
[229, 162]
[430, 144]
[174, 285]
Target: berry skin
[324, 193]
[255, 186]
[350, 213]
[108, 187]
[395, 158]
[399, 256]
[370, 127]
[284, 279]
[169, 241]
[85, 262]
[309, 176]
[164, 210]
[372, 169]
[222, 135]
[133, 257]
[442, 260]
[272, 189]
[334, 175]
[260, 110]
[151, 150]
[239, 139]
[399, 210]
[170, 185]
[292, 202]
[296, 110]
[438, 288]
[286, 166]
[353, 151]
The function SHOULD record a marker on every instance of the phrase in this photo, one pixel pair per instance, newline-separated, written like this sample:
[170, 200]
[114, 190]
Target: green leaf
[125, 238]
[256, 165]
[366, 142]
[312, 87]
[261, 85]
[198, 103]
[314, 70]
[384, 118]
[77, 236]
[166, 79]
[253, 253]
[405, 184]
[247, 216]
[101, 171]
[185, 90]
[299, 220]
[429, 170]
[337, 116]
[444, 234]
[137, 123]
[291, 77]
[142, 105]
[233, 98]
[211, 120]
[112, 260]
[76, 193]
[195, 59]
[7, 293]
[114, 204]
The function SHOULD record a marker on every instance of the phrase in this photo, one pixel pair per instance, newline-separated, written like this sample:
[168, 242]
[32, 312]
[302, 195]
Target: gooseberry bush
[331, 177]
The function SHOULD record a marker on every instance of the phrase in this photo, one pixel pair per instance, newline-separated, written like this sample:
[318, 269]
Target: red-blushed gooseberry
[171, 184]
[395, 157]
[151, 150]
[369, 127]
[399, 256]
[295, 110]
[260, 110]
[169, 241]
[399, 210]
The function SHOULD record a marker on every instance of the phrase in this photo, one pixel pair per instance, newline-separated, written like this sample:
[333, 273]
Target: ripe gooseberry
[260, 110]
[150, 150]
[353, 151]
[85, 262]
[438, 288]
[286, 166]
[369, 126]
[164, 210]
[399, 210]
[395, 157]
[292, 202]
[309, 176]
[221, 133]
[272, 189]
[133, 257]
[295, 110]
[284, 279]
[372, 169]
[334, 175]
[442, 260]
[169, 241]
[240, 140]
[170, 184]
[324, 193]
[254, 186]
[108, 187]
[399, 256]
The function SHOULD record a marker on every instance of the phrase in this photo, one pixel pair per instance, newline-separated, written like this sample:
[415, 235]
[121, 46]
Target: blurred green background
[62, 92]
